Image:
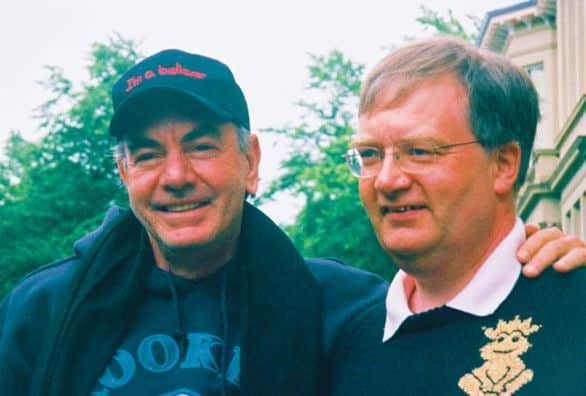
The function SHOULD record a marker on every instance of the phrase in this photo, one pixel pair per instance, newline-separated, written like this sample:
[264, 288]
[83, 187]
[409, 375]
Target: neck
[193, 262]
[428, 292]
[437, 279]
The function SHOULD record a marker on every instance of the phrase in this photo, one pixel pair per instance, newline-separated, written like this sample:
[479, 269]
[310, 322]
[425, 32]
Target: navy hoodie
[65, 325]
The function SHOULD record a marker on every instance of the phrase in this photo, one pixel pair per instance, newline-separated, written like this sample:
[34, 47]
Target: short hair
[503, 104]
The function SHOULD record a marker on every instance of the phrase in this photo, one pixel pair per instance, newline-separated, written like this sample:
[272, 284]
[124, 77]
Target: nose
[391, 177]
[177, 173]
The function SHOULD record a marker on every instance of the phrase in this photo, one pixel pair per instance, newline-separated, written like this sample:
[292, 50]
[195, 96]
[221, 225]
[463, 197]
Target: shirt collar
[487, 290]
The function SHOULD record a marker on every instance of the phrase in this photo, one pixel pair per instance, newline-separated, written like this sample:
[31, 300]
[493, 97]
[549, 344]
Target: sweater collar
[487, 290]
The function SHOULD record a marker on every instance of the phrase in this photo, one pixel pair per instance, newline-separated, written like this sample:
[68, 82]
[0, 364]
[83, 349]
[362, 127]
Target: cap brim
[136, 111]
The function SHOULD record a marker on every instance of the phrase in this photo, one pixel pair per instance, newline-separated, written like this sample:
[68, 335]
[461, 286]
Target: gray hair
[242, 133]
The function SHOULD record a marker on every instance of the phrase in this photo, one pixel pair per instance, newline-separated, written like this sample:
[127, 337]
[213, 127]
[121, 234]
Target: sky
[265, 43]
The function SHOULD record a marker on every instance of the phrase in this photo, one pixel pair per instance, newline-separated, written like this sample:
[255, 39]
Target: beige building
[548, 39]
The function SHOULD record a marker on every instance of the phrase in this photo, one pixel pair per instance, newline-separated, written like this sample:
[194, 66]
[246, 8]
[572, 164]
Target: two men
[193, 291]
[444, 142]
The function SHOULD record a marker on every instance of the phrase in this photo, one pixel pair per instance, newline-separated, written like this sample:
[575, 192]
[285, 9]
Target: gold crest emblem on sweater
[503, 373]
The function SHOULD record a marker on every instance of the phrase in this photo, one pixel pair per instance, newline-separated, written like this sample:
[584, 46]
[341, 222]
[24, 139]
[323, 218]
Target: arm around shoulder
[346, 293]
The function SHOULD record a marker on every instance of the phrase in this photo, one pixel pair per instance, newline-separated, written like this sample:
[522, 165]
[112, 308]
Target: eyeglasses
[410, 157]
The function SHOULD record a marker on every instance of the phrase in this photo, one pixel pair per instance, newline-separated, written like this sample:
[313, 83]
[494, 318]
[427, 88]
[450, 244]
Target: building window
[576, 219]
[537, 75]
[580, 213]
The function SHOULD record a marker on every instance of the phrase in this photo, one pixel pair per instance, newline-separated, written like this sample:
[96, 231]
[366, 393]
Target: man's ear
[122, 170]
[253, 158]
[507, 162]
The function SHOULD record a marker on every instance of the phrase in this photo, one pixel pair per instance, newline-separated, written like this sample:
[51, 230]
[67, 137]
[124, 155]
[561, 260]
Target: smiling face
[449, 206]
[505, 345]
[186, 183]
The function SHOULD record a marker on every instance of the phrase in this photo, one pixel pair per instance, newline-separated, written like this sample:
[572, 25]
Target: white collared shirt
[487, 290]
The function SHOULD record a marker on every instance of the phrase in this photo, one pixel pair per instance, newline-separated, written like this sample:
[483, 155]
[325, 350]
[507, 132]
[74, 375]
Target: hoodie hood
[113, 215]
[279, 300]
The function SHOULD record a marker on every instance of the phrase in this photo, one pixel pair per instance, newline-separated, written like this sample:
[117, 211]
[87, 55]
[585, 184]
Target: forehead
[435, 108]
[178, 129]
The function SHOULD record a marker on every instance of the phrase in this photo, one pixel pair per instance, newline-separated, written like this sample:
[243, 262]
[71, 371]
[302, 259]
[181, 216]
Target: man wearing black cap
[193, 291]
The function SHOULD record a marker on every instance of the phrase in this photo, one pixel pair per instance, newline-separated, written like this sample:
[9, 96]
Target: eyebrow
[413, 137]
[139, 142]
[203, 129]
[200, 130]
[361, 141]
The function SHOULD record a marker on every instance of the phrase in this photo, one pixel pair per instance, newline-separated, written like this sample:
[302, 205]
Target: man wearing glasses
[192, 291]
[443, 145]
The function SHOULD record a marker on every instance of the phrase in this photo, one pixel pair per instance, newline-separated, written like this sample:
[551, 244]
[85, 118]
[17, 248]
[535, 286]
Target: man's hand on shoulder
[550, 246]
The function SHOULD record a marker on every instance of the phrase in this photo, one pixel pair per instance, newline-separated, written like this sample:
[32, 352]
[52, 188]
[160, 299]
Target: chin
[405, 246]
[186, 239]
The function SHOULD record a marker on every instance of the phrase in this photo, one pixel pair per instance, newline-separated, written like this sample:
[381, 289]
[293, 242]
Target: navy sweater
[534, 344]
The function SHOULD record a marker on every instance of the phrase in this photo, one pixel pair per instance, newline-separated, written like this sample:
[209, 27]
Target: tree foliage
[332, 221]
[54, 190]
[446, 26]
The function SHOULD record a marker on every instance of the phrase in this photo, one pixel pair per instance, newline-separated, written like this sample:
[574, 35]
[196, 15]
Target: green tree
[447, 26]
[55, 190]
[332, 221]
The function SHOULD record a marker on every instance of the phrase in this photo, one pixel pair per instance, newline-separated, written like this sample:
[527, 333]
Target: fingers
[536, 241]
[574, 259]
[551, 247]
[530, 229]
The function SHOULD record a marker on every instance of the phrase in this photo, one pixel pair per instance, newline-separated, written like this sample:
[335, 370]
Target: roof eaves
[500, 11]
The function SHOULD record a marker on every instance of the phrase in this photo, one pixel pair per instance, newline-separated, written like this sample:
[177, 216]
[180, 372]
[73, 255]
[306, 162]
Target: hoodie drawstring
[179, 335]
[224, 319]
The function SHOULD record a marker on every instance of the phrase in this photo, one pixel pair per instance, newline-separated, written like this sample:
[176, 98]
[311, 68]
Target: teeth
[183, 207]
[404, 209]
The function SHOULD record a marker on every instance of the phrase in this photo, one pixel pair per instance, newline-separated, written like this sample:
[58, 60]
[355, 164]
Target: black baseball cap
[187, 80]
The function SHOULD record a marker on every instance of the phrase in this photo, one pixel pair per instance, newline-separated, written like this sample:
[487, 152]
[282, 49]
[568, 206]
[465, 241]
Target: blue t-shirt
[176, 346]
